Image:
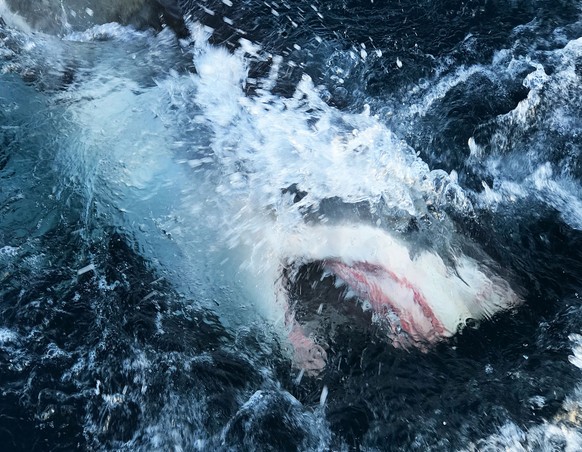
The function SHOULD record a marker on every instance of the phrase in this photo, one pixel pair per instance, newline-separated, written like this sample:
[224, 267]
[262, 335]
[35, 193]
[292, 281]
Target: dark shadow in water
[98, 356]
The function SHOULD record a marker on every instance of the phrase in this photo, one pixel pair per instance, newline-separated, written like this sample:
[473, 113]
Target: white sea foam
[7, 335]
[8, 251]
[112, 31]
[12, 19]
[524, 165]
[267, 143]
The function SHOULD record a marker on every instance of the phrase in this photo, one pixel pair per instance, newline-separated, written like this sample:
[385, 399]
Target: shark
[256, 147]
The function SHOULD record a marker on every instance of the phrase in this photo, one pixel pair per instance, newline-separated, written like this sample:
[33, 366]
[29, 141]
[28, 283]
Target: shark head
[417, 300]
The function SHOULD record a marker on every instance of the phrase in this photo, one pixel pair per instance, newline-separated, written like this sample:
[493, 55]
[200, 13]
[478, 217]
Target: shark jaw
[416, 301]
[401, 306]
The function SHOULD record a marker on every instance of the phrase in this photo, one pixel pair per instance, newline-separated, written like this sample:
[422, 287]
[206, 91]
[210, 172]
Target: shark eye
[472, 323]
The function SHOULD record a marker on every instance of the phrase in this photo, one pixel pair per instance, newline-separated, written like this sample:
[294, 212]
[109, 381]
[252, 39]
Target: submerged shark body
[417, 298]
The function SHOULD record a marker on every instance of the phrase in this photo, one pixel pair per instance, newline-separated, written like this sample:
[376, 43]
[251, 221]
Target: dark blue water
[154, 347]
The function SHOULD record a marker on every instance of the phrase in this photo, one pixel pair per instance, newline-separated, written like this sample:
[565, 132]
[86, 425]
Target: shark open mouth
[395, 301]
[329, 297]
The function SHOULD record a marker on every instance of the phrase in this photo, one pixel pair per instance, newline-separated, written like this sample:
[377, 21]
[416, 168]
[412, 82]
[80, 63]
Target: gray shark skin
[58, 17]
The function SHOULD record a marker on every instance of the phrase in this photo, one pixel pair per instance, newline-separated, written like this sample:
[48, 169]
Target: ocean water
[148, 183]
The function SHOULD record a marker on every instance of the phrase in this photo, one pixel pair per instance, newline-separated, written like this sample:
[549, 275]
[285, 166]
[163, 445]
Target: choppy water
[141, 177]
